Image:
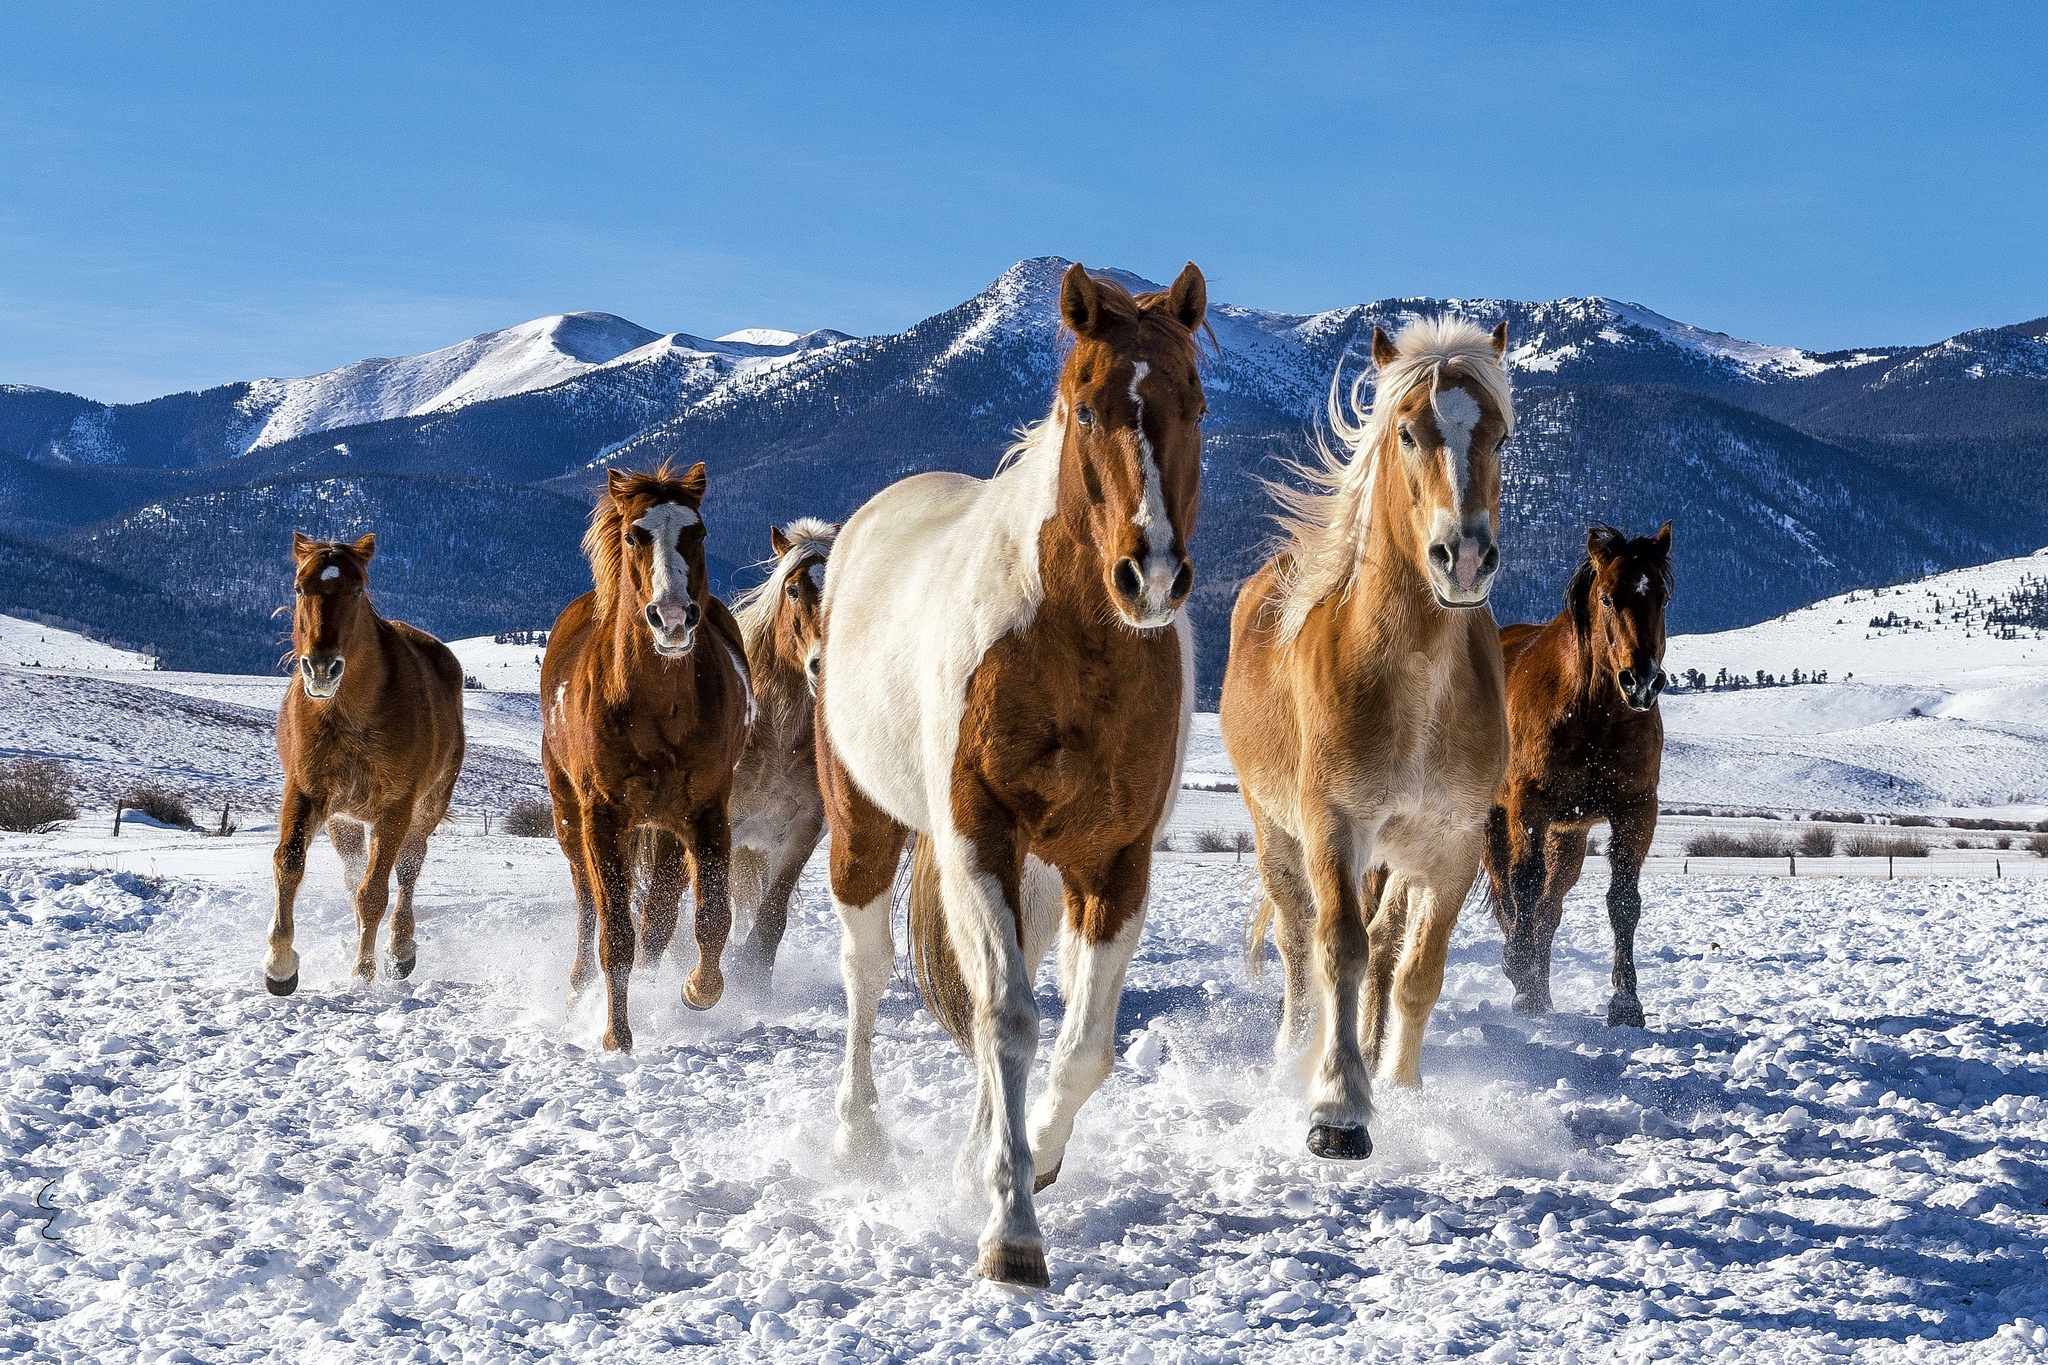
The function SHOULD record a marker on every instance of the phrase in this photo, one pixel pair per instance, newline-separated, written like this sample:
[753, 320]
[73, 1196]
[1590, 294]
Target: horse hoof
[284, 987]
[1531, 1004]
[1625, 1011]
[1044, 1178]
[1018, 1263]
[402, 967]
[617, 1041]
[702, 997]
[1329, 1141]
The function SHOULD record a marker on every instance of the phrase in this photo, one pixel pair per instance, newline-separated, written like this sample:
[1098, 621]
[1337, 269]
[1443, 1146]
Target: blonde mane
[754, 609]
[1326, 521]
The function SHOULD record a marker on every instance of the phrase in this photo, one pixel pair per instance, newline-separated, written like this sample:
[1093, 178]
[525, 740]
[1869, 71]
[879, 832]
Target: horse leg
[785, 869]
[1386, 929]
[373, 894]
[1340, 1091]
[1499, 859]
[866, 846]
[980, 874]
[711, 843]
[351, 841]
[412, 856]
[1527, 832]
[1564, 857]
[1293, 912]
[1632, 829]
[1102, 927]
[608, 847]
[661, 910]
[1434, 901]
[297, 818]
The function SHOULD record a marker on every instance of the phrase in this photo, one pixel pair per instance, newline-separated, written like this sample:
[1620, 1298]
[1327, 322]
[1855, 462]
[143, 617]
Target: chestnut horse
[1362, 706]
[777, 815]
[370, 733]
[1007, 672]
[645, 703]
[1588, 745]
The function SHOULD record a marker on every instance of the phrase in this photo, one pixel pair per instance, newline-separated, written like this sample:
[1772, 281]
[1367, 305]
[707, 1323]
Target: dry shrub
[1817, 842]
[1883, 846]
[2038, 844]
[160, 804]
[1913, 821]
[530, 819]
[1762, 843]
[36, 795]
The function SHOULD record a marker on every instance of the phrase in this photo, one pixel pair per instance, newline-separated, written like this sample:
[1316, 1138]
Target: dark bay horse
[645, 702]
[1588, 742]
[370, 733]
[1007, 672]
[1362, 706]
[778, 816]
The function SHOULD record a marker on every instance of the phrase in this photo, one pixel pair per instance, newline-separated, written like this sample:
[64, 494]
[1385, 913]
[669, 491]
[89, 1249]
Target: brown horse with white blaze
[778, 817]
[1362, 707]
[1007, 672]
[370, 734]
[1588, 747]
[645, 702]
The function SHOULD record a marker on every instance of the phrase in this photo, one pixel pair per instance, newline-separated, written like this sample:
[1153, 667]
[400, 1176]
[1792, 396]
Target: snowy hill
[28, 644]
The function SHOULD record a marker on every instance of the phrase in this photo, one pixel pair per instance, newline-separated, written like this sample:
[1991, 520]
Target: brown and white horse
[776, 812]
[1588, 746]
[1362, 708]
[370, 733]
[1007, 672]
[645, 703]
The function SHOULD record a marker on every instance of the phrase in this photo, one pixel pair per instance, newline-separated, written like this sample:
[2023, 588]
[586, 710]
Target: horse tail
[1255, 937]
[939, 979]
[1493, 892]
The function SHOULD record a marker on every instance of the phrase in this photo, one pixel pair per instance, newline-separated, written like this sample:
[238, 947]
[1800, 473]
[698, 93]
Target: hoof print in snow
[1014, 1263]
[1043, 1179]
[1329, 1141]
[284, 987]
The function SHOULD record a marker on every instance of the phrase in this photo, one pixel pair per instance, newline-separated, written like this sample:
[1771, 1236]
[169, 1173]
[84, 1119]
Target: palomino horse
[1006, 671]
[777, 815]
[370, 734]
[641, 728]
[1362, 708]
[1588, 746]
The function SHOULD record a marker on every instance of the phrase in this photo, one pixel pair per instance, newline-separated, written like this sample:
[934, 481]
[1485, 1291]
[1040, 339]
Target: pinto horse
[777, 815]
[370, 733]
[1588, 746]
[645, 703]
[1008, 673]
[1362, 706]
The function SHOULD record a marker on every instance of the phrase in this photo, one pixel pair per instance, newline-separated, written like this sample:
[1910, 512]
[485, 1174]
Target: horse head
[329, 608]
[1131, 457]
[1451, 416]
[1618, 598]
[646, 549]
[796, 628]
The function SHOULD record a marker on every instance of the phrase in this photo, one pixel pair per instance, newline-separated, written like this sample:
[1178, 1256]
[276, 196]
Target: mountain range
[1790, 474]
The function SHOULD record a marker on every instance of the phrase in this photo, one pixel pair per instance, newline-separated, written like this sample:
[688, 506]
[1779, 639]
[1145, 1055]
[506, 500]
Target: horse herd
[997, 675]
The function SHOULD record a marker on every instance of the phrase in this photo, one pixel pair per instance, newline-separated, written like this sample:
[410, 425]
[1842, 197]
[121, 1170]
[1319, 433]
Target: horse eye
[793, 590]
[1085, 415]
[1407, 440]
[1606, 599]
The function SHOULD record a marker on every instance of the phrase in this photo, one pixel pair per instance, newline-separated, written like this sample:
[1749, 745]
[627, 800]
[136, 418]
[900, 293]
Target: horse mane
[601, 539]
[754, 609]
[1324, 522]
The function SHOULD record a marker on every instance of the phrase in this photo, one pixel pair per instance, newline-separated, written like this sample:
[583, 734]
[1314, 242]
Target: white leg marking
[1086, 1049]
[867, 956]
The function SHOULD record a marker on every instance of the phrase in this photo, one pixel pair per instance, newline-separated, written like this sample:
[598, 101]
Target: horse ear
[1578, 597]
[1080, 301]
[1383, 352]
[1500, 340]
[1189, 297]
[303, 545]
[1663, 539]
[778, 540]
[615, 482]
[366, 548]
[695, 481]
[1603, 543]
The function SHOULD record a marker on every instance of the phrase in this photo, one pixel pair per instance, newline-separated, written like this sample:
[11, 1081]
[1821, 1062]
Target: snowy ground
[1830, 1142]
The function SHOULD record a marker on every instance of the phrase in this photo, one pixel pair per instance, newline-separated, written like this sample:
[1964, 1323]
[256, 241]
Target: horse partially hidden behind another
[1362, 707]
[1007, 671]
[370, 733]
[777, 814]
[1588, 746]
[645, 702]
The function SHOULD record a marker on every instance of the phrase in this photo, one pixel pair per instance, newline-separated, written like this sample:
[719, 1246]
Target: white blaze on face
[1457, 413]
[1150, 516]
[332, 571]
[665, 522]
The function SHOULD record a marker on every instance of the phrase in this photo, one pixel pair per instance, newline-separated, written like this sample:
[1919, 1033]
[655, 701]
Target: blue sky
[194, 194]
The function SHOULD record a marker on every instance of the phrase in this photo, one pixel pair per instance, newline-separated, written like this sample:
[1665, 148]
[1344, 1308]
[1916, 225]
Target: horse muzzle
[320, 674]
[1462, 569]
[1147, 596]
[674, 627]
[1640, 688]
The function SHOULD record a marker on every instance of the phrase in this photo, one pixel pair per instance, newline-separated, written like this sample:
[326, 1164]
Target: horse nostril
[1129, 581]
[1440, 555]
[1490, 561]
[692, 614]
[653, 614]
[1183, 580]
[1628, 680]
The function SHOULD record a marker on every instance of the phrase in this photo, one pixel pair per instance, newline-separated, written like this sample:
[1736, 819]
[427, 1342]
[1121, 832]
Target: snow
[1757, 360]
[27, 644]
[500, 668]
[762, 336]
